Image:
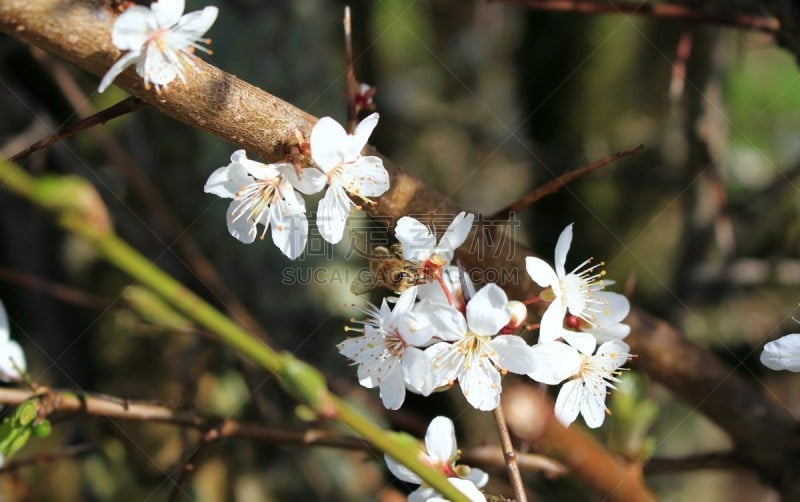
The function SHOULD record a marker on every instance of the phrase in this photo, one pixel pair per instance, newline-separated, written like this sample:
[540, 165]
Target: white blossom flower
[419, 242]
[12, 358]
[338, 155]
[265, 194]
[476, 356]
[578, 292]
[387, 355]
[159, 40]
[783, 353]
[441, 454]
[592, 375]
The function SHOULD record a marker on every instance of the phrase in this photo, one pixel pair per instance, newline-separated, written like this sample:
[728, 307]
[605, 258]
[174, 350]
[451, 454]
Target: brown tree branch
[787, 12]
[58, 291]
[61, 405]
[254, 120]
[664, 11]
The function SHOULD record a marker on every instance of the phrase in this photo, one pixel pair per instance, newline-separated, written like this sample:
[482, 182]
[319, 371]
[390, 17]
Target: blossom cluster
[446, 331]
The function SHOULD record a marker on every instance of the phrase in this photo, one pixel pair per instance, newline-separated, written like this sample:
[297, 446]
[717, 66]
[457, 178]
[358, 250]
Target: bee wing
[362, 285]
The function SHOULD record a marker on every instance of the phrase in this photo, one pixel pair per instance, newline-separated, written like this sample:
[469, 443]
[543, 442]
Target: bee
[387, 268]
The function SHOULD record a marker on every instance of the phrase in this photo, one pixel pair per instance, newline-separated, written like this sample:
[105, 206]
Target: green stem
[79, 210]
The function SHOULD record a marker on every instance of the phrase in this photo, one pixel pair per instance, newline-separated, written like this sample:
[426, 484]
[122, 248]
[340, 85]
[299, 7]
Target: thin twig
[61, 292]
[721, 461]
[350, 82]
[510, 456]
[44, 458]
[667, 11]
[189, 466]
[553, 186]
[124, 107]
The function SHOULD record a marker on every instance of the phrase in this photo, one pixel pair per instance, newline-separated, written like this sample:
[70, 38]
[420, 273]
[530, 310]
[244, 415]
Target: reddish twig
[350, 81]
[125, 106]
[554, 185]
[667, 11]
[59, 291]
[678, 80]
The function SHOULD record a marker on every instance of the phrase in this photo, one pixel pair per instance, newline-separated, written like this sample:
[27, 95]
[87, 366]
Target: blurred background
[483, 101]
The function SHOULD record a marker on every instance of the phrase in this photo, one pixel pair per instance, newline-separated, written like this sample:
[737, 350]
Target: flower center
[256, 200]
[395, 344]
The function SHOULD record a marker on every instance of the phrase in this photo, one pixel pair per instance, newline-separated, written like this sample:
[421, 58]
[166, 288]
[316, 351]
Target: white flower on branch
[387, 355]
[265, 194]
[471, 352]
[578, 292]
[783, 353]
[159, 41]
[338, 155]
[591, 377]
[442, 455]
[12, 358]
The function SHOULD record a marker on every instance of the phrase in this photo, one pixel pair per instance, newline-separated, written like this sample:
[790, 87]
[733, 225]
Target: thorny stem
[301, 381]
[510, 455]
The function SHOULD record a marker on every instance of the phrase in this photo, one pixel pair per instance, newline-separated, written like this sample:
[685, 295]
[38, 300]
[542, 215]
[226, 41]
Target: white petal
[416, 332]
[366, 177]
[515, 354]
[614, 332]
[552, 323]
[568, 402]
[562, 247]
[332, 213]
[133, 27]
[478, 477]
[440, 439]
[311, 180]
[455, 235]
[157, 67]
[424, 494]
[259, 170]
[11, 354]
[418, 370]
[290, 234]
[400, 471]
[783, 353]
[393, 388]
[541, 272]
[193, 26]
[584, 342]
[466, 487]
[4, 331]
[243, 228]
[555, 362]
[593, 407]
[486, 312]
[417, 240]
[167, 12]
[117, 68]
[615, 310]
[363, 131]
[327, 140]
[611, 355]
[480, 383]
[352, 347]
[227, 180]
[449, 324]
[447, 360]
